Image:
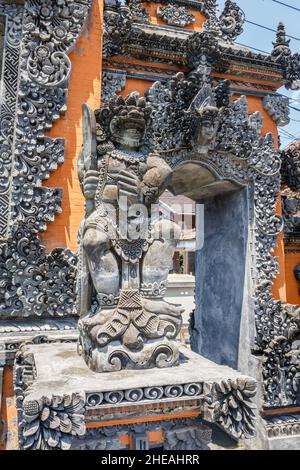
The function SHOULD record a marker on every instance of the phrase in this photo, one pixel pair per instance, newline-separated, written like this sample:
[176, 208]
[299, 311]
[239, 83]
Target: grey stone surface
[220, 278]
[60, 368]
[33, 333]
[284, 443]
[52, 380]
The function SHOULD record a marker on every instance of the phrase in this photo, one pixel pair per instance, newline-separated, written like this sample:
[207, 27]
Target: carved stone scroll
[112, 83]
[278, 108]
[230, 23]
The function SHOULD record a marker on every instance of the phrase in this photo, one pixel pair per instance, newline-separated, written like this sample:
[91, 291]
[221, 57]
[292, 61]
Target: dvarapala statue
[125, 254]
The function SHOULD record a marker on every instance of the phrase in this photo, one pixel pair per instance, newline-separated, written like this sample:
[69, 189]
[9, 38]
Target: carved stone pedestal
[130, 324]
[62, 404]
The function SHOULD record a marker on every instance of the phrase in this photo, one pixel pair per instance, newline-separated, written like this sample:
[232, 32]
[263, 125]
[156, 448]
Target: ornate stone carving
[207, 7]
[230, 405]
[33, 284]
[193, 93]
[278, 108]
[47, 423]
[291, 211]
[290, 62]
[186, 434]
[154, 393]
[117, 27]
[290, 197]
[138, 11]
[154, 289]
[8, 94]
[281, 49]
[51, 423]
[112, 84]
[230, 23]
[190, 438]
[175, 15]
[283, 425]
[202, 48]
[290, 169]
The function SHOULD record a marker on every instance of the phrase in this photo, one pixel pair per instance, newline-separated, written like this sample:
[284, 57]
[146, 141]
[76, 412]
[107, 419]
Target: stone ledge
[15, 333]
[53, 383]
[71, 372]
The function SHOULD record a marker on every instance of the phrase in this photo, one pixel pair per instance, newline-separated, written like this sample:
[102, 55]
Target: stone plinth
[61, 401]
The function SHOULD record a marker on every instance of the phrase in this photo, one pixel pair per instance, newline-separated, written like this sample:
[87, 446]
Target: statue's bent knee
[94, 239]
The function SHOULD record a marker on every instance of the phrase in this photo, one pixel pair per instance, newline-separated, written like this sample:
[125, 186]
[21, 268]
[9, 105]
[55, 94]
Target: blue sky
[269, 13]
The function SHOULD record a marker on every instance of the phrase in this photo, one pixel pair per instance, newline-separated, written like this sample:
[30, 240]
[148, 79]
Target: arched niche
[223, 271]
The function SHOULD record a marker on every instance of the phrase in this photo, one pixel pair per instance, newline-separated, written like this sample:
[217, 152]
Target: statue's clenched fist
[90, 183]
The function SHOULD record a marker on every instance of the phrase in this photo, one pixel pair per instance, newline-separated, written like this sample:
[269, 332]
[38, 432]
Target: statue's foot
[162, 307]
[100, 317]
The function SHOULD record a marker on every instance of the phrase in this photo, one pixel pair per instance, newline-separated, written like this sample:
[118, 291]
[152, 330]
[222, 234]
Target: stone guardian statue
[125, 255]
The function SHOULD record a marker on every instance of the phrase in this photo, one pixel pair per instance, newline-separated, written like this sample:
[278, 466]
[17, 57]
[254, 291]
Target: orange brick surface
[292, 285]
[84, 87]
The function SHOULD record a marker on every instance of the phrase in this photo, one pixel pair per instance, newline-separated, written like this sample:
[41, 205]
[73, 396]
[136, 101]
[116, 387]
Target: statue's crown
[128, 109]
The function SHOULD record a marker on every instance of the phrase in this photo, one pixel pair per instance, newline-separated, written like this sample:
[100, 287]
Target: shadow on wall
[220, 279]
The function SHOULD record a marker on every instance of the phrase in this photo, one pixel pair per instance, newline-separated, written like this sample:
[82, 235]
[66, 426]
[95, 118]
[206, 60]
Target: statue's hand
[90, 183]
[128, 184]
[156, 175]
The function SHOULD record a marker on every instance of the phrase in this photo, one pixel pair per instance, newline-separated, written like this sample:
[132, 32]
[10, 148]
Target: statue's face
[129, 133]
[206, 131]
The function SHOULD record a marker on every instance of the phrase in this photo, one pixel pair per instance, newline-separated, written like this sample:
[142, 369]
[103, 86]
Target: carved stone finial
[290, 62]
[281, 47]
[230, 23]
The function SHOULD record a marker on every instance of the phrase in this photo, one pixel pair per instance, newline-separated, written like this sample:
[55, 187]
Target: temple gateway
[104, 106]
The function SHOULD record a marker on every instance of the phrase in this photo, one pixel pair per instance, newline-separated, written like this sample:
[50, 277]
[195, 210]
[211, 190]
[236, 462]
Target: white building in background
[181, 279]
